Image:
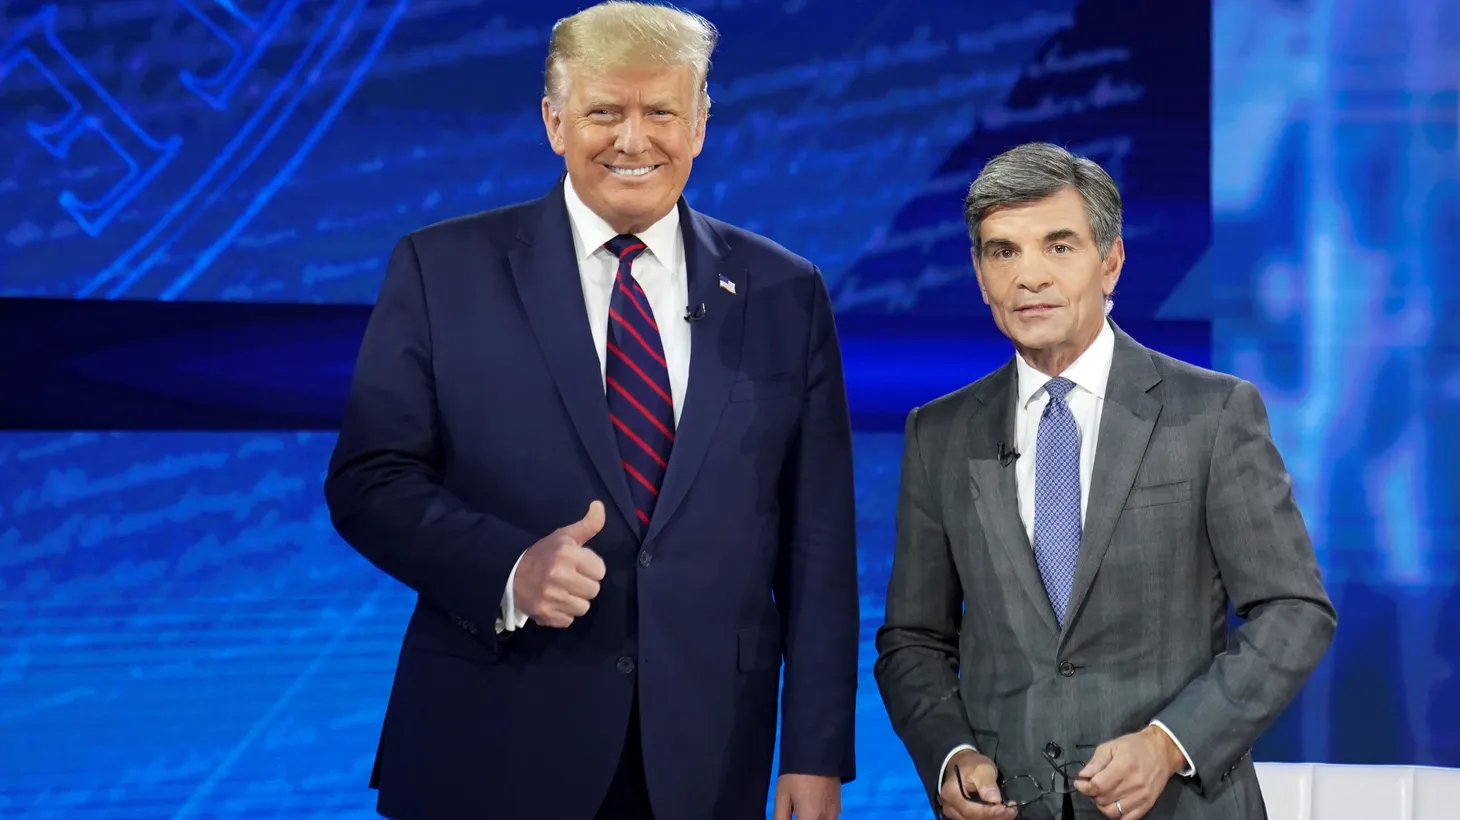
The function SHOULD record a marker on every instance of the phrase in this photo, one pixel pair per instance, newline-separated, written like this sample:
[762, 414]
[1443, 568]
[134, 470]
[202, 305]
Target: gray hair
[1035, 170]
[623, 34]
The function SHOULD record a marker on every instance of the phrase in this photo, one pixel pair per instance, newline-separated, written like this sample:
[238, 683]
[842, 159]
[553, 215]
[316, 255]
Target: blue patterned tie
[639, 399]
[1057, 496]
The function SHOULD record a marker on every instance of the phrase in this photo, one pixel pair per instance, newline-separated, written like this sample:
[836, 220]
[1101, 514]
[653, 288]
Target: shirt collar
[1090, 371]
[591, 232]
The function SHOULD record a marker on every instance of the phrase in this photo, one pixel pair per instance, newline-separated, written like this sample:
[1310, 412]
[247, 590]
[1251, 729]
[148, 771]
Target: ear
[1111, 266]
[552, 121]
[978, 274]
[697, 139]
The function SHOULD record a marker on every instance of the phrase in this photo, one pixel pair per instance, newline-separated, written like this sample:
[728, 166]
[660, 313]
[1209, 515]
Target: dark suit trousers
[628, 794]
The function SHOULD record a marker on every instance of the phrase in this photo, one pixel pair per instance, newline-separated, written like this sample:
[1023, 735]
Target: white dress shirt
[1090, 373]
[660, 271]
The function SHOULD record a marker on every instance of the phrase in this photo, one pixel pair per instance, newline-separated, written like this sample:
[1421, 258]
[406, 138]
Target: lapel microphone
[1006, 455]
[695, 313]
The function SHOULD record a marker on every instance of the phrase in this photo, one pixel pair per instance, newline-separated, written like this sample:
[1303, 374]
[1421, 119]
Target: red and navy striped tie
[639, 397]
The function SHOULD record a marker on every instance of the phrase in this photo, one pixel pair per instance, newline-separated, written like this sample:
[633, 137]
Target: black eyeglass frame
[1061, 772]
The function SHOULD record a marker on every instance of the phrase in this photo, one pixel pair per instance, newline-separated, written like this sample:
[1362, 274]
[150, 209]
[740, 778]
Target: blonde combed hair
[623, 34]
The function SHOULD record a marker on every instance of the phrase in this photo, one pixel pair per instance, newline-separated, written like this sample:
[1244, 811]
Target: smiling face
[629, 137]
[1042, 276]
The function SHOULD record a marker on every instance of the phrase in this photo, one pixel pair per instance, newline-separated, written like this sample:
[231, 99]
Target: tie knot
[625, 247]
[1058, 387]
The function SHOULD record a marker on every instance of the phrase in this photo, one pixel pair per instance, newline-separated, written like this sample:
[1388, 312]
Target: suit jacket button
[626, 664]
[1067, 669]
[645, 558]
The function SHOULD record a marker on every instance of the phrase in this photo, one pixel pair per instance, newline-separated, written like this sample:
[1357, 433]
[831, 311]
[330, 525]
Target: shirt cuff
[510, 619]
[943, 770]
[1190, 767]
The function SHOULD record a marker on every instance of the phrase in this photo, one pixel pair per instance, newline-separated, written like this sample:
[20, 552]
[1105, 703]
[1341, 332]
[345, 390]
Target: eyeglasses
[1025, 789]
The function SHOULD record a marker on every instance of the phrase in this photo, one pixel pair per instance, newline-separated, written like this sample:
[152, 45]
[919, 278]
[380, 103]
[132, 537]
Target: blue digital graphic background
[183, 635]
[1336, 202]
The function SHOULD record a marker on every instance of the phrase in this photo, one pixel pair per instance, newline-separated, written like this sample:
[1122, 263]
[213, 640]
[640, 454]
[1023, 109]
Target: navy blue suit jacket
[477, 424]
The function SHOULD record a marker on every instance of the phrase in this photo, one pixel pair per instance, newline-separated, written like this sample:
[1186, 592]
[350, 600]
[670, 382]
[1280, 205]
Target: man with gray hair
[605, 440]
[1070, 531]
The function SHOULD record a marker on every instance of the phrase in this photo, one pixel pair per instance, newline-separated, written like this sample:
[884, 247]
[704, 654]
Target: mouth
[631, 172]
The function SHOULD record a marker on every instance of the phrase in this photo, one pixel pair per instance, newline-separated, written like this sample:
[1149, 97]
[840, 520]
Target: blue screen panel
[1336, 194]
[183, 635]
[273, 150]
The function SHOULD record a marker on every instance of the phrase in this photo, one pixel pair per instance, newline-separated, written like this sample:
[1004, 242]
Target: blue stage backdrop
[1336, 198]
[196, 203]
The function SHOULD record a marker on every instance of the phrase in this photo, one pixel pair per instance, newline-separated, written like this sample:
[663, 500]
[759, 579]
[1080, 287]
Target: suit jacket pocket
[441, 634]
[763, 388]
[1155, 495]
[757, 649]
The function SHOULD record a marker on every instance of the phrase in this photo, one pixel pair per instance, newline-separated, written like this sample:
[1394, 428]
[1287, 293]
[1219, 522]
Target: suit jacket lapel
[714, 357]
[1126, 423]
[995, 489]
[549, 284]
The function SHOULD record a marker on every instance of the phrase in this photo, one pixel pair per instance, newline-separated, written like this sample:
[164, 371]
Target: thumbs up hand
[559, 575]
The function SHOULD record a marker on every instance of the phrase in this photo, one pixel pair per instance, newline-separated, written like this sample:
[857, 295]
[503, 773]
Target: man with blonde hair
[605, 439]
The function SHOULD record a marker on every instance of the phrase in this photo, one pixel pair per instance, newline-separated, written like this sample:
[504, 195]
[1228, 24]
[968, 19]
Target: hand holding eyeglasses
[970, 789]
[1126, 775]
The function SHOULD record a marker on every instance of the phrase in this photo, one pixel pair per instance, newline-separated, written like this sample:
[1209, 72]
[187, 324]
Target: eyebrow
[1057, 235]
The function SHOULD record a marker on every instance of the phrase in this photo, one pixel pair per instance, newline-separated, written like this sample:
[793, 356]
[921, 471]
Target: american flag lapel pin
[726, 283]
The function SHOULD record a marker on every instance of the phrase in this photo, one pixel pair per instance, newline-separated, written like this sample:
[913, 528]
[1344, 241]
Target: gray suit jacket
[1190, 508]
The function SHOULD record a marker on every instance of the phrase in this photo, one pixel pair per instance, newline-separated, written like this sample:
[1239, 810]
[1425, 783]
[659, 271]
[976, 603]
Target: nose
[631, 138]
[1033, 275]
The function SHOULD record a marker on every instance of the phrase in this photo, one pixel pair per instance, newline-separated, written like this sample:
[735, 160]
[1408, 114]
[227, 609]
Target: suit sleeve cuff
[943, 770]
[510, 619]
[1190, 767]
